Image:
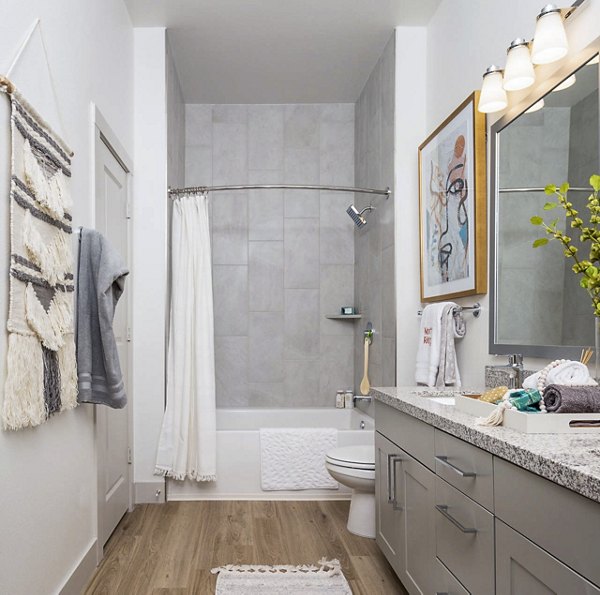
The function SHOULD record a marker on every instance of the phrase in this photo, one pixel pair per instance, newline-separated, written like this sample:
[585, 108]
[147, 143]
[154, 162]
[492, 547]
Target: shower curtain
[187, 447]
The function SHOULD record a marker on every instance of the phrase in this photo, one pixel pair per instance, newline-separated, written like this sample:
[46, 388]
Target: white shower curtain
[187, 447]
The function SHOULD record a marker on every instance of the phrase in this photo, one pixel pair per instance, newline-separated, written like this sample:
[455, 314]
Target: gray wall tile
[265, 347]
[301, 248]
[265, 207]
[198, 125]
[301, 323]
[265, 136]
[337, 229]
[268, 394]
[301, 166]
[198, 166]
[230, 289]
[337, 289]
[266, 277]
[302, 382]
[231, 366]
[337, 153]
[230, 160]
[302, 126]
[230, 228]
[336, 368]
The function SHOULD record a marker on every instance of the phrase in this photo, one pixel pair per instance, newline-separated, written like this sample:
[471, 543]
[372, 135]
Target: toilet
[354, 467]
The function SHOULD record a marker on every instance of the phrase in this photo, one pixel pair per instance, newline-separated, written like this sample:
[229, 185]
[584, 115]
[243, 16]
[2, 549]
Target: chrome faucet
[515, 369]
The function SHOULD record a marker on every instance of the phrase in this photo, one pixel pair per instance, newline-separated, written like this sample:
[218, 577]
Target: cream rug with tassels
[324, 577]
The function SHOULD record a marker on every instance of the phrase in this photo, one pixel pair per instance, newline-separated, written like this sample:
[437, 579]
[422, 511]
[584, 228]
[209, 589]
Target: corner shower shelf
[343, 316]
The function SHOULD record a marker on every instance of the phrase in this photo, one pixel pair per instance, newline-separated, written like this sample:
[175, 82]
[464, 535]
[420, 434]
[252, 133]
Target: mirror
[537, 305]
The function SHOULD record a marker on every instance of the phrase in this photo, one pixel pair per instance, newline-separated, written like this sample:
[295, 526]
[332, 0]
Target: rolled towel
[570, 373]
[572, 399]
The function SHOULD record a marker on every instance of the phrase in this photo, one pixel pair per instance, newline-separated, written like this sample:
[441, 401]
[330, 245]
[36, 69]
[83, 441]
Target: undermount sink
[443, 400]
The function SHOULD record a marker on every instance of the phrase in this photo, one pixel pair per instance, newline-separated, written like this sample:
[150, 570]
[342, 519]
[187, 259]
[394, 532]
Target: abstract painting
[452, 206]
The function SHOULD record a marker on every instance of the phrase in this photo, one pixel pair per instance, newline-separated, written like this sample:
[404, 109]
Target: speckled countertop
[570, 460]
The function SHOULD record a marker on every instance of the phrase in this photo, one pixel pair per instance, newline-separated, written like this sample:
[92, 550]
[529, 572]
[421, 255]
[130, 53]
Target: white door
[112, 425]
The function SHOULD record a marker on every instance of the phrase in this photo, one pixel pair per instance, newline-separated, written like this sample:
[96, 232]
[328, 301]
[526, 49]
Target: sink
[442, 400]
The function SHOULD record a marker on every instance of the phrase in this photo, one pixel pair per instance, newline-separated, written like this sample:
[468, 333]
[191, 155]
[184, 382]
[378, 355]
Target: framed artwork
[453, 206]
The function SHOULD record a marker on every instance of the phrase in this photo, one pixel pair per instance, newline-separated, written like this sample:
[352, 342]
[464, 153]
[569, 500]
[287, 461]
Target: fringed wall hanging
[41, 369]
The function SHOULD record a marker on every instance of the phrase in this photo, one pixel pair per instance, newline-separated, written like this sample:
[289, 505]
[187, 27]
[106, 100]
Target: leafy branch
[588, 268]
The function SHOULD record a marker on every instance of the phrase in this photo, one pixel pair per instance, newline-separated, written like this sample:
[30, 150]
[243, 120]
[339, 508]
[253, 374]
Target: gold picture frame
[453, 206]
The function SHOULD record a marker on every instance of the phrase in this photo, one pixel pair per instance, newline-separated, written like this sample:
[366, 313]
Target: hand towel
[448, 373]
[101, 276]
[572, 399]
[428, 352]
[570, 373]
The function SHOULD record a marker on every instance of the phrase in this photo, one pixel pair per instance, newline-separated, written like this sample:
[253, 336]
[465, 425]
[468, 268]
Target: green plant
[589, 232]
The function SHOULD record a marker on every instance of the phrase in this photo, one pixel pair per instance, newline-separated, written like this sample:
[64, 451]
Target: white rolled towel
[569, 373]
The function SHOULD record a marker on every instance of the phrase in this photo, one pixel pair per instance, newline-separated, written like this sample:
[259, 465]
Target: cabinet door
[418, 535]
[388, 491]
[523, 567]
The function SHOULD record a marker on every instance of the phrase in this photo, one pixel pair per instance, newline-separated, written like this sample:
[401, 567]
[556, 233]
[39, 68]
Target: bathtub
[238, 452]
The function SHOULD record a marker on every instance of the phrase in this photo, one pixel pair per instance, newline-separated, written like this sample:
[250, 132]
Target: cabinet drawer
[523, 567]
[466, 467]
[560, 521]
[410, 434]
[446, 583]
[464, 538]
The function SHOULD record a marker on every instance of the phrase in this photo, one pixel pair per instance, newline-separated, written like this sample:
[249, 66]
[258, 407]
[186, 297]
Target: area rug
[324, 577]
[41, 370]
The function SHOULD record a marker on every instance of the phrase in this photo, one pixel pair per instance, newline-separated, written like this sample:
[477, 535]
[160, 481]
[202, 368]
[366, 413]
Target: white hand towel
[448, 373]
[428, 352]
[570, 373]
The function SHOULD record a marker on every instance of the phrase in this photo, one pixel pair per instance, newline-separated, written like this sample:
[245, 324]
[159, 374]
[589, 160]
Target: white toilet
[354, 467]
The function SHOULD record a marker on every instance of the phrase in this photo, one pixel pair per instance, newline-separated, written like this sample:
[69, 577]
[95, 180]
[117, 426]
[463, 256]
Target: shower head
[358, 217]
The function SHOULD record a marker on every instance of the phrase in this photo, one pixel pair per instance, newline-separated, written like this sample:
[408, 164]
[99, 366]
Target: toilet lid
[357, 457]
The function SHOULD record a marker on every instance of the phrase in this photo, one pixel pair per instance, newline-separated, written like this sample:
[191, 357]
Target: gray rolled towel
[572, 399]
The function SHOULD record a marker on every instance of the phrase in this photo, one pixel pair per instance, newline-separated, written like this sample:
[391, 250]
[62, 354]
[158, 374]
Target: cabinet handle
[392, 460]
[443, 509]
[444, 461]
[441, 593]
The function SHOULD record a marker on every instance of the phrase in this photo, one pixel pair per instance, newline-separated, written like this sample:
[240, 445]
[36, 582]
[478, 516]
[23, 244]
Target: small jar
[349, 398]
[339, 399]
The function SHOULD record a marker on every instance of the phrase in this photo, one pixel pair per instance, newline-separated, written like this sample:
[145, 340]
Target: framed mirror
[537, 307]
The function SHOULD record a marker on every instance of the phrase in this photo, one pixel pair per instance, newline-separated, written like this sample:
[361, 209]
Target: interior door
[112, 425]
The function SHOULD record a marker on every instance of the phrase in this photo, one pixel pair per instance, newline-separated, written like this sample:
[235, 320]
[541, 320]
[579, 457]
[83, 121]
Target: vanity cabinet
[523, 567]
[462, 520]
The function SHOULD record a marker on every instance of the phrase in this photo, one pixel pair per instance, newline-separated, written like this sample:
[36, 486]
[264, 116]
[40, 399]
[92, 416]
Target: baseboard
[266, 496]
[149, 492]
[82, 573]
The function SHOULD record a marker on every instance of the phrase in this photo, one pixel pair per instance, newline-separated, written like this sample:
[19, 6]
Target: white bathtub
[238, 452]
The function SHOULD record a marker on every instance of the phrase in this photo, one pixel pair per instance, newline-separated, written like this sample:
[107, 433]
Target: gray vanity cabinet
[524, 568]
[389, 512]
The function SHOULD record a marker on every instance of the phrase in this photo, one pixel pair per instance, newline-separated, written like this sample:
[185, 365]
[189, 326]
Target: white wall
[463, 38]
[48, 476]
[149, 256]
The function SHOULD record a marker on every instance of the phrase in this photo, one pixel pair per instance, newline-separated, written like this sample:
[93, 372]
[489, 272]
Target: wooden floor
[169, 549]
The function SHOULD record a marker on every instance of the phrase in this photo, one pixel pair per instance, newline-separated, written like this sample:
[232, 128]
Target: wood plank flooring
[169, 549]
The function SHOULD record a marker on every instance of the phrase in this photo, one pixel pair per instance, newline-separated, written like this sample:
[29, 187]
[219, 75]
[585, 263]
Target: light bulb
[550, 40]
[535, 107]
[493, 96]
[568, 82]
[518, 72]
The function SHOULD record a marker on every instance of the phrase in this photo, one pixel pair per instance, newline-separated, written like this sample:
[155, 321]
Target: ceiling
[277, 51]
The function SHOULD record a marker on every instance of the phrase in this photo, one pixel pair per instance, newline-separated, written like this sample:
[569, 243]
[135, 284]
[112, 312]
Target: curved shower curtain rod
[175, 192]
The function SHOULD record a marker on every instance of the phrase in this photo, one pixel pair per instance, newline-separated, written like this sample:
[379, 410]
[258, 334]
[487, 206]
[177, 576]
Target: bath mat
[41, 374]
[325, 577]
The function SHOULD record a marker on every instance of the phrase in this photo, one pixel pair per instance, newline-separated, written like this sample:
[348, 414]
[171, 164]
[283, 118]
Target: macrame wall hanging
[41, 369]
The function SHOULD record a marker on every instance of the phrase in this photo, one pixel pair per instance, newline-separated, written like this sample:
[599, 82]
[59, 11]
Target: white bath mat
[294, 458]
[325, 577]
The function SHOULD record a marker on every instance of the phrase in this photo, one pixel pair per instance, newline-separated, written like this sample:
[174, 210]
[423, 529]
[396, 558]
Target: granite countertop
[570, 460]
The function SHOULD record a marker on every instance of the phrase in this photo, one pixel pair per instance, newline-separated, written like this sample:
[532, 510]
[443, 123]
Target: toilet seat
[352, 457]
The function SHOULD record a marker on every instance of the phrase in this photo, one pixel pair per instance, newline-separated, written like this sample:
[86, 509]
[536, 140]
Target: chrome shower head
[358, 217]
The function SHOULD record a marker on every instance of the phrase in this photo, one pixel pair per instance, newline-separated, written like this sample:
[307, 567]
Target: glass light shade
[493, 96]
[535, 107]
[550, 40]
[518, 72]
[568, 82]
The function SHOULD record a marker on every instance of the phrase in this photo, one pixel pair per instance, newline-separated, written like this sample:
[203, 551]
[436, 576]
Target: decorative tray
[533, 423]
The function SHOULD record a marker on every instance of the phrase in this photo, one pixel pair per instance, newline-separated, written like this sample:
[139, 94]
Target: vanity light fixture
[493, 96]
[518, 73]
[594, 60]
[550, 40]
[568, 82]
[538, 105]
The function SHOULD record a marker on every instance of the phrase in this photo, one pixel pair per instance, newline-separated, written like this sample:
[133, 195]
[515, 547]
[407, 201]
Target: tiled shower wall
[281, 259]
[374, 243]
